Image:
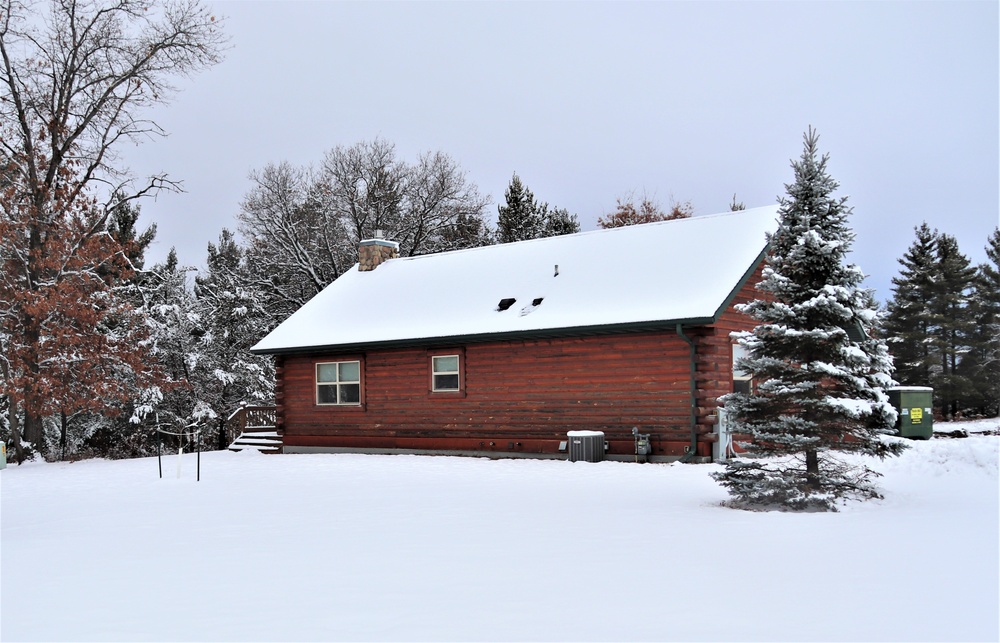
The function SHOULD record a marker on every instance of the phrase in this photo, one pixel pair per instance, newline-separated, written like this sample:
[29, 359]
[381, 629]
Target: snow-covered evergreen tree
[177, 329]
[200, 339]
[168, 310]
[232, 315]
[106, 431]
[559, 221]
[819, 371]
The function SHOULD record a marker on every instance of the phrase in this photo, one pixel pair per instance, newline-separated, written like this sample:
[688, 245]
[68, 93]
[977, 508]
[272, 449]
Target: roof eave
[451, 340]
[545, 333]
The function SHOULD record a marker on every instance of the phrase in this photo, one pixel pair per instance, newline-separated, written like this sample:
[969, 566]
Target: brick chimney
[372, 252]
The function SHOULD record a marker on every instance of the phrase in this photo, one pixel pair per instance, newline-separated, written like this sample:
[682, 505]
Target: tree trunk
[15, 432]
[34, 432]
[812, 469]
[222, 433]
[63, 423]
[13, 417]
[946, 389]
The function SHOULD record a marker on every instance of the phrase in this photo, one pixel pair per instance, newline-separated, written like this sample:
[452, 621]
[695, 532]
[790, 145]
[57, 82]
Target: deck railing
[251, 418]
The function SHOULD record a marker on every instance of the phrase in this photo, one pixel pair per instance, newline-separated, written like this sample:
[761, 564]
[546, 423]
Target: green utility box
[914, 405]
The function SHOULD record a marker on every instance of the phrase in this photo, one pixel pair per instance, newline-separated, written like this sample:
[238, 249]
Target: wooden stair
[263, 441]
[254, 428]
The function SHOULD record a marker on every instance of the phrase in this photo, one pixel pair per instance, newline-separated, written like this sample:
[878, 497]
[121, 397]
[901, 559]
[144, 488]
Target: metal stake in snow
[191, 435]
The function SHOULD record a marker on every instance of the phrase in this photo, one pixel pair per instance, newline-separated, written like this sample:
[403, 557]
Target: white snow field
[357, 547]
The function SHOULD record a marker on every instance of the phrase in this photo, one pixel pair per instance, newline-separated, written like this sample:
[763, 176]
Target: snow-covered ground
[354, 547]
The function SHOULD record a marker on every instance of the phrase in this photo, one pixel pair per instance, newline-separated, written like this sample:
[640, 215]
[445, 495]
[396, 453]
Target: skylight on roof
[505, 304]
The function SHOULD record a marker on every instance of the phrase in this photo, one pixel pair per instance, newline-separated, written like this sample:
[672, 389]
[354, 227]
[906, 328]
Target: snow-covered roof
[672, 271]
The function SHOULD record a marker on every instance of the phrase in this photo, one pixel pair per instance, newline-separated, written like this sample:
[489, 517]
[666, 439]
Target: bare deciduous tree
[302, 226]
[294, 246]
[438, 200]
[75, 83]
[367, 189]
[648, 211]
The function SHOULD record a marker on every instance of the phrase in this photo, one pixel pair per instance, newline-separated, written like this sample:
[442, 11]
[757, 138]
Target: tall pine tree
[981, 364]
[951, 324]
[820, 371]
[908, 322]
[931, 324]
[521, 217]
[232, 315]
[177, 329]
[121, 226]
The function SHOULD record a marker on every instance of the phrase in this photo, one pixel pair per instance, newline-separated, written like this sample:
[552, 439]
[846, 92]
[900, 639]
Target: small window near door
[445, 373]
[742, 382]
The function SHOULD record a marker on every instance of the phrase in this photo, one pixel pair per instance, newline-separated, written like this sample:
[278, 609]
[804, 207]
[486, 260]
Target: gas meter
[642, 446]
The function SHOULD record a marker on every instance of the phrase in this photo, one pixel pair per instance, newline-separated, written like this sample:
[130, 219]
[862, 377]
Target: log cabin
[503, 350]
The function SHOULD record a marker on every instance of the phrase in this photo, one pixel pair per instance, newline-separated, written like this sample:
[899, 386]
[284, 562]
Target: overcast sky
[588, 102]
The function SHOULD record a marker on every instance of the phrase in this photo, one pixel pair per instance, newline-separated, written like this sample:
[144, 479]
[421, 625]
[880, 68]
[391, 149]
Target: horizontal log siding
[523, 396]
[520, 395]
[715, 357]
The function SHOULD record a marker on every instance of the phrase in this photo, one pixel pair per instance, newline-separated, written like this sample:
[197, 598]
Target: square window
[338, 383]
[445, 373]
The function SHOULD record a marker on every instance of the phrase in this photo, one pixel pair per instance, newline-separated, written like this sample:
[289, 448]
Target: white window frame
[457, 373]
[337, 383]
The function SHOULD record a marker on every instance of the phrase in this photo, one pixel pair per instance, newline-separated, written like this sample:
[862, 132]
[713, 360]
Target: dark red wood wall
[521, 396]
[715, 354]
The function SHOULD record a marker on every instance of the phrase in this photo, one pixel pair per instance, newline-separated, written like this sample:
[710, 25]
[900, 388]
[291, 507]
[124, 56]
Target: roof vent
[535, 303]
[557, 271]
[505, 304]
